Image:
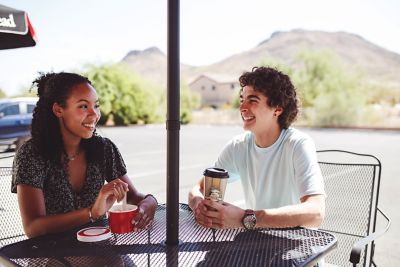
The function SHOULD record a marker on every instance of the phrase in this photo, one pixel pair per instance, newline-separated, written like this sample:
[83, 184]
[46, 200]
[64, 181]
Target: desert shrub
[330, 95]
[123, 95]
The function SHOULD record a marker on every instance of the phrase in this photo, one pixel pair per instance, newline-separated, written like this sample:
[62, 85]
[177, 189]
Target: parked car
[15, 120]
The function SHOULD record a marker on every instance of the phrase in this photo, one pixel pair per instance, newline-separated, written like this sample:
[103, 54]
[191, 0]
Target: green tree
[273, 63]
[124, 96]
[188, 102]
[26, 92]
[380, 93]
[331, 96]
[266, 62]
[2, 94]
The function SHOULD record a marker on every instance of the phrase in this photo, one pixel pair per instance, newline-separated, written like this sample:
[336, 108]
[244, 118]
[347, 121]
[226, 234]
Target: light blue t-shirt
[275, 176]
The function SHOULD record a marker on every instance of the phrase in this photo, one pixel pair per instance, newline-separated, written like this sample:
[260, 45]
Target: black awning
[15, 29]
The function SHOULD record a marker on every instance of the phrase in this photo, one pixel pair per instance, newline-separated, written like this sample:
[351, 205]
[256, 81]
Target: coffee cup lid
[216, 173]
[93, 234]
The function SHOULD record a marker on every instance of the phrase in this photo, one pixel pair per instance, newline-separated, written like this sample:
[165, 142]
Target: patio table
[198, 246]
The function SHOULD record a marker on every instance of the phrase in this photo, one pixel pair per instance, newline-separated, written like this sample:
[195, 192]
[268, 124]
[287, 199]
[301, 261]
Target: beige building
[215, 90]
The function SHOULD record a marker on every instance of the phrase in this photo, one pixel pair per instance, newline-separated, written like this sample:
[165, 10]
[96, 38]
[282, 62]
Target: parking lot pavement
[144, 151]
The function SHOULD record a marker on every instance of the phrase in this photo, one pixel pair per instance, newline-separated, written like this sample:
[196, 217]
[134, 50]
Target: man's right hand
[200, 214]
[194, 202]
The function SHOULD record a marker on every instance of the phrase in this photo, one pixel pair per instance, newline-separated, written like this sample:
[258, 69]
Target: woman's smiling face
[79, 116]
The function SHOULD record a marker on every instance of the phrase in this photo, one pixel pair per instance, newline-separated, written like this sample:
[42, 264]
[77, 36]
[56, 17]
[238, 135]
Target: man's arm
[309, 213]
[197, 204]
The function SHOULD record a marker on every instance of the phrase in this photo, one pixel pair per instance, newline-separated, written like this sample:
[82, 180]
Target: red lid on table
[93, 234]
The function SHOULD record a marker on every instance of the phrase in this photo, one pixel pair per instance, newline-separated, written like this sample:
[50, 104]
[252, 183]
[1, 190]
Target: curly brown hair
[45, 130]
[278, 89]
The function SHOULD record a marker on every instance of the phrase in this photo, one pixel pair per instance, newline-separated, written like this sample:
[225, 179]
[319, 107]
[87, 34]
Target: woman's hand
[147, 207]
[109, 193]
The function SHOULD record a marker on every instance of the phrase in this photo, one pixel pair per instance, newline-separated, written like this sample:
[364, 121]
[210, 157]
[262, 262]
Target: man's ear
[278, 111]
[57, 110]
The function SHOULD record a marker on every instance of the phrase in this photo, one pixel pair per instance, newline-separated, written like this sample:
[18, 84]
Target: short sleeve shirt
[275, 176]
[30, 168]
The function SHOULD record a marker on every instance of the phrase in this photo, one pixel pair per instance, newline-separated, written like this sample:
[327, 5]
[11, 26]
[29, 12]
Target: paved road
[144, 151]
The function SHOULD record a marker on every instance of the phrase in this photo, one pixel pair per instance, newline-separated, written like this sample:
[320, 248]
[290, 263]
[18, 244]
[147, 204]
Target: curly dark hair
[278, 89]
[46, 135]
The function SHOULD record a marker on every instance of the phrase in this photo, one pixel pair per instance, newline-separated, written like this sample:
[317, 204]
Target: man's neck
[267, 138]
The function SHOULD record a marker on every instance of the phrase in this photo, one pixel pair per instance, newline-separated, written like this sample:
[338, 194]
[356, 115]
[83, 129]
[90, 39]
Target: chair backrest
[11, 229]
[352, 183]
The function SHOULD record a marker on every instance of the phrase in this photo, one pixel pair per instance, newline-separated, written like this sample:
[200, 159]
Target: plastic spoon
[124, 202]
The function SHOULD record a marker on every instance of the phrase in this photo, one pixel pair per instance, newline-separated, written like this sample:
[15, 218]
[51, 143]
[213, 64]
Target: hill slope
[377, 64]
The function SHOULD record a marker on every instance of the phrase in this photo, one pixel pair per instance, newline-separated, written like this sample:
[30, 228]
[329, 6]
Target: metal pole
[173, 123]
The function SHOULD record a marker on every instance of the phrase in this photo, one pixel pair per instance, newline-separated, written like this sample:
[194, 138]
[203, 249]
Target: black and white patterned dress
[30, 168]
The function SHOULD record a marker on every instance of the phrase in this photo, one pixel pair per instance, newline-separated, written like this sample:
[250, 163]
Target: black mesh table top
[198, 246]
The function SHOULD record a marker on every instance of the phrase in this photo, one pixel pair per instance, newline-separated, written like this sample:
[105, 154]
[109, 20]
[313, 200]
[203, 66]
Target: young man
[277, 164]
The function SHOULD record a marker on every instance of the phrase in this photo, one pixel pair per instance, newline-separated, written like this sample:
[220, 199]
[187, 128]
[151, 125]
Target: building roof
[217, 77]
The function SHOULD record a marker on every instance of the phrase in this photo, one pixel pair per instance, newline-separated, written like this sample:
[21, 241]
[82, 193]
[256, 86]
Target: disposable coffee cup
[120, 220]
[215, 180]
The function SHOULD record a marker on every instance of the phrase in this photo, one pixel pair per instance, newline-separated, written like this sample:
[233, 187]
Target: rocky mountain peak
[146, 52]
[378, 64]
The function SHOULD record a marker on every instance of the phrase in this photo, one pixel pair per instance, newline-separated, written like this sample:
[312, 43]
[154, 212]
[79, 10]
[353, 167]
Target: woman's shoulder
[27, 149]
[103, 143]
[107, 142]
[28, 161]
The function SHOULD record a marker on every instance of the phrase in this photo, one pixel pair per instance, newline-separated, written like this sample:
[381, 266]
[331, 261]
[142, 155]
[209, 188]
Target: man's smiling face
[257, 116]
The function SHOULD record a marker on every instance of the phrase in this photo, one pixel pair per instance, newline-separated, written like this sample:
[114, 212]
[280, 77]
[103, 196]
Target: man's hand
[212, 214]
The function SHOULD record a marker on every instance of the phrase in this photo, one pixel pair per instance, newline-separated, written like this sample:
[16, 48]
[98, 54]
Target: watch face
[249, 221]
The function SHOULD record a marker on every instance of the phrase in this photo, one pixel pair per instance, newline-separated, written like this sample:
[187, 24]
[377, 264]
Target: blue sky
[74, 32]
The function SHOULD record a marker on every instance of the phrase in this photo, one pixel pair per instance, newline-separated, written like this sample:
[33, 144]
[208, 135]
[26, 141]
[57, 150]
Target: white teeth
[89, 125]
[248, 118]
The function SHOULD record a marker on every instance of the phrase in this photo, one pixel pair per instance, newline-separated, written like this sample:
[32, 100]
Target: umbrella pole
[173, 123]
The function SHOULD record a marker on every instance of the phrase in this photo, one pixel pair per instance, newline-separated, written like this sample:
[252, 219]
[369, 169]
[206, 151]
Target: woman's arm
[147, 204]
[34, 218]
[33, 210]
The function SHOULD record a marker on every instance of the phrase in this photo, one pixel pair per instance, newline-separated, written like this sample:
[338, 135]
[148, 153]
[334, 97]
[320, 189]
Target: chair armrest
[360, 244]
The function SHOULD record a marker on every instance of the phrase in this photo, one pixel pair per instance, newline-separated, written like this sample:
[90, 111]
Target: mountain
[150, 63]
[376, 63]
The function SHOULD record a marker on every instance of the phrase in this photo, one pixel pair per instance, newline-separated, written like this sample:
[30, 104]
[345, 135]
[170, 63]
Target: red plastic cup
[119, 220]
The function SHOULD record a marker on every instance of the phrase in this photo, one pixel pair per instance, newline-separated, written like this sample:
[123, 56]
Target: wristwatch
[249, 219]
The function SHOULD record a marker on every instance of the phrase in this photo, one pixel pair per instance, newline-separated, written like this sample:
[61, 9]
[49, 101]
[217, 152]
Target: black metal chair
[352, 183]
[11, 229]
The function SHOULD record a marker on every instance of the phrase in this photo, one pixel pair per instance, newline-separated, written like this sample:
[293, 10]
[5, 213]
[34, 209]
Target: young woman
[59, 174]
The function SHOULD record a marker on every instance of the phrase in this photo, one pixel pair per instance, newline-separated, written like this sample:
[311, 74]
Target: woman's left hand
[147, 207]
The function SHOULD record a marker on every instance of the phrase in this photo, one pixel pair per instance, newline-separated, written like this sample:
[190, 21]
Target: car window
[11, 110]
[31, 108]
